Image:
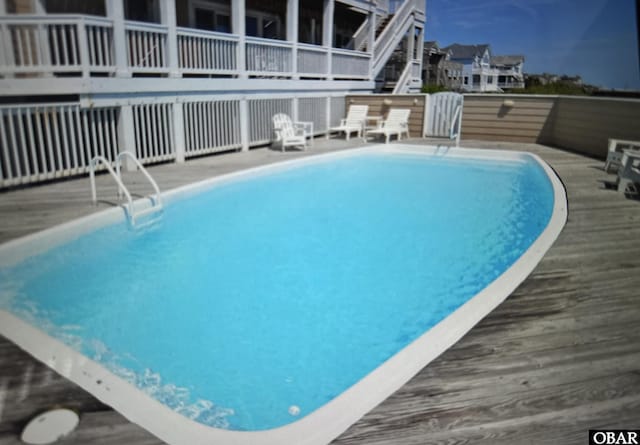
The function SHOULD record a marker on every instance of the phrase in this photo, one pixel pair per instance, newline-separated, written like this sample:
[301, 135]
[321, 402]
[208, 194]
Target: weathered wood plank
[558, 357]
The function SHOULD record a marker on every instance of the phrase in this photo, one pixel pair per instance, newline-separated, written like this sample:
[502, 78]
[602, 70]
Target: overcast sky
[596, 39]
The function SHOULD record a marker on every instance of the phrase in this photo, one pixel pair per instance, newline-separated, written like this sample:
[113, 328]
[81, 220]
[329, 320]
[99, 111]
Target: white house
[510, 71]
[171, 79]
[477, 73]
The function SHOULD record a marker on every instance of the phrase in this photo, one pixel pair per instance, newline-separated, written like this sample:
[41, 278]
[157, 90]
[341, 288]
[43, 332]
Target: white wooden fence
[147, 45]
[211, 126]
[204, 52]
[153, 125]
[267, 57]
[83, 45]
[39, 142]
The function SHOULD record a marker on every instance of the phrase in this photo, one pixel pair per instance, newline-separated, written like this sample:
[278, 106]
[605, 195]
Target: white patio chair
[614, 156]
[397, 122]
[291, 134]
[354, 122]
[629, 172]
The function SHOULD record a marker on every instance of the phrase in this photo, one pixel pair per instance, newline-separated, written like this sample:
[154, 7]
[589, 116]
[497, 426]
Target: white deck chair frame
[397, 122]
[291, 134]
[614, 155]
[629, 172]
[354, 122]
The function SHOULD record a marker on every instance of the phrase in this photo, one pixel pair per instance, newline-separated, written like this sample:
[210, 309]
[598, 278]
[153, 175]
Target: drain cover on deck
[50, 426]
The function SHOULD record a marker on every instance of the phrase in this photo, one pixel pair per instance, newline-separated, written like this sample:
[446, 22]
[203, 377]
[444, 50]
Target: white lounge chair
[291, 134]
[614, 156]
[354, 122]
[629, 172]
[397, 122]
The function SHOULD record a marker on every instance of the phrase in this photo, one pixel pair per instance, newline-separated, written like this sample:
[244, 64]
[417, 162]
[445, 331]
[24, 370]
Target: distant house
[477, 73]
[438, 69]
[510, 71]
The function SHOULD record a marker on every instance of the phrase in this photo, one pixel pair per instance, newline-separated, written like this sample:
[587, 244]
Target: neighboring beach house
[170, 79]
[510, 71]
[439, 69]
[477, 73]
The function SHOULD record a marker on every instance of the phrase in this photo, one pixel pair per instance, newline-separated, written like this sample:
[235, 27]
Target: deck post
[371, 38]
[43, 50]
[292, 35]
[420, 49]
[327, 33]
[244, 124]
[238, 28]
[328, 109]
[115, 12]
[178, 131]
[168, 18]
[127, 135]
[411, 42]
[5, 35]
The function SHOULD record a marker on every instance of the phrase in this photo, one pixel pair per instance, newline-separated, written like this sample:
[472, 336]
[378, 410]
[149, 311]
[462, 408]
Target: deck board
[560, 356]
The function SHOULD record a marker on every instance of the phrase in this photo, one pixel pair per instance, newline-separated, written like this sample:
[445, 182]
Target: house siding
[585, 124]
[487, 118]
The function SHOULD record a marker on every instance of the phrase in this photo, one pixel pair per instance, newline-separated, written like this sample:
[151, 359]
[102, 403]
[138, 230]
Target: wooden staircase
[380, 25]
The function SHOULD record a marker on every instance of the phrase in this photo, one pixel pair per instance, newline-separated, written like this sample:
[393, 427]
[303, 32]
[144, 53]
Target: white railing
[153, 130]
[211, 126]
[260, 113]
[266, 57]
[350, 64]
[55, 44]
[207, 52]
[313, 109]
[402, 85]
[391, 35]
[147, 47]
[312, 59]
[132, 215]
[338, 111]
[46, 141]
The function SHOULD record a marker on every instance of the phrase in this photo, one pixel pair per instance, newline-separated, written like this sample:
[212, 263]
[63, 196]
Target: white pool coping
[332, 419]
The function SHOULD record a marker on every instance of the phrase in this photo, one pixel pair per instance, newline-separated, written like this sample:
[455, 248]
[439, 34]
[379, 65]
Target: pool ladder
[132, 215]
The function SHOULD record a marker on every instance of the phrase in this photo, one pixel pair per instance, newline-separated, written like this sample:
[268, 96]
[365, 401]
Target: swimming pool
[305, 293]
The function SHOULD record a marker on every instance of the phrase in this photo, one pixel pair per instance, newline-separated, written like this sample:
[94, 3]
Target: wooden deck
[560, 356]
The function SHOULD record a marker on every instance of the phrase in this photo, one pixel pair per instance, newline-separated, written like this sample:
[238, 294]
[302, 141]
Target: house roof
[458, 51]
[507, 60]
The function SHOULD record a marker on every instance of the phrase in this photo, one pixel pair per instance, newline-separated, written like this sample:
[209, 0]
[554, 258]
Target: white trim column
[37, 6]
[168, 19]
[178, 131]
[420, 49]
[115, 12]
[328, 10]
[43, 51]
[126, 134]
[411, 42]
[6, 37]
[292, 35]
[371, 38]
[238, 28]
[244, 124]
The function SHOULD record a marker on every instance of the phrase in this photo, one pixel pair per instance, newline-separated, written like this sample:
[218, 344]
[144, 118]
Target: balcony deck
[560, 356]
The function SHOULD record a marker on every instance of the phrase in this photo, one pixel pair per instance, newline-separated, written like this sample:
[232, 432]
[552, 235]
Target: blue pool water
[286, 289]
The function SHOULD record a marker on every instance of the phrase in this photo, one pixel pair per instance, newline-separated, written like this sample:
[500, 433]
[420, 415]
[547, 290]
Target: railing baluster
[5, 149]
[14, 145]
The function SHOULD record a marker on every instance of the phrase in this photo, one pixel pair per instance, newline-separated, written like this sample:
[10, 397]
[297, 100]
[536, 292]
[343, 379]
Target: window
[466, 80]
[491, 79]
[210, 16]
[476, 79]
